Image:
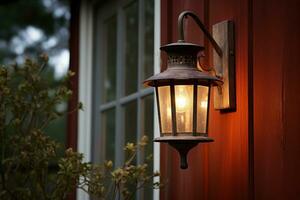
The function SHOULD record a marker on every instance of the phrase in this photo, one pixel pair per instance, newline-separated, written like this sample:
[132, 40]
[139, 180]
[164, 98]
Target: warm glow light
[182, 102]
[202, 109]
[184, 108]
[165, 109]
[203, 104]
[169, 112]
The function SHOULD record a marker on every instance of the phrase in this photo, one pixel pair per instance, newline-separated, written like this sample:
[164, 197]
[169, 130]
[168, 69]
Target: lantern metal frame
[182, 70]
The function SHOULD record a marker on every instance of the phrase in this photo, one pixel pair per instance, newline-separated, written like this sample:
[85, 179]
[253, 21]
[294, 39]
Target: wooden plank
[74, 66]
[72, 123]
[224, 95]
[276, 99]
[228, 156]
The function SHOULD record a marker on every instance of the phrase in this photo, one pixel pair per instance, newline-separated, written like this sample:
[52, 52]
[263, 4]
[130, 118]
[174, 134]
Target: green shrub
[31, 166]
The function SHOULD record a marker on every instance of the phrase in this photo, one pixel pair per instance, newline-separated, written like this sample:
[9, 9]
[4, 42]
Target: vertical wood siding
[72, 124]
[276, 99]
[228, 156]
[74, 66]
[218, 170]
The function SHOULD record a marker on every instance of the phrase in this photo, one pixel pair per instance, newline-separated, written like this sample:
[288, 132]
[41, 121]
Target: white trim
[156, 146]
[85, 85]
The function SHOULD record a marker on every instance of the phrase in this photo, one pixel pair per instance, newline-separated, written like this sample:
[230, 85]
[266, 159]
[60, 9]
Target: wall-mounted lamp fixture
[183, 90]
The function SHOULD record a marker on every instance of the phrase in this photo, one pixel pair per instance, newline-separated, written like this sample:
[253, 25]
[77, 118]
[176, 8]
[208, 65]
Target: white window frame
[86, 90]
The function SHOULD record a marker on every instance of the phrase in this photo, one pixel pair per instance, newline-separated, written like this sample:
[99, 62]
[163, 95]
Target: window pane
[108, 131]
[109, 69]
[131, 48]
[149, 39]
[148, 122]
[184, 108]
[148, 130]
[202, 105]
[130, 121]
[165, 109]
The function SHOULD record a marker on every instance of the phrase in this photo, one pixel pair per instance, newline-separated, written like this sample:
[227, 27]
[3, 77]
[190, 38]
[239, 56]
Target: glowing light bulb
[182, 102]
[203, 104]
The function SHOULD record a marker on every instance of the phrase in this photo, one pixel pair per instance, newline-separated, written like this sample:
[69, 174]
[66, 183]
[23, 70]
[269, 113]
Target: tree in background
[31, 27]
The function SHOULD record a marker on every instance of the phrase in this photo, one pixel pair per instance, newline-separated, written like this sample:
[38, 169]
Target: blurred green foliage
[31, 166]
[17, 15]
[41, 15]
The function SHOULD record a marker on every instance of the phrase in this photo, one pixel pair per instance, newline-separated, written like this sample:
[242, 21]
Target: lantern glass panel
[184, 108]
[202, 109]
[164, 96]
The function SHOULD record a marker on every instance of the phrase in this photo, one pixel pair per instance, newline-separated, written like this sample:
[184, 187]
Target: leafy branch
[28, 103]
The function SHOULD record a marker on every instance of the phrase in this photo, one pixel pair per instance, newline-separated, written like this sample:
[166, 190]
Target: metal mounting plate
[224, 95]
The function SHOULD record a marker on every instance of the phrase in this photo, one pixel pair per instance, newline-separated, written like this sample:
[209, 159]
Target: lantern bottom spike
[183, 144]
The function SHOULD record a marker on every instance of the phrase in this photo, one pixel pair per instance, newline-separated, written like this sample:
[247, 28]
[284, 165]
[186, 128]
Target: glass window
[149, 41]
[123, 57]
[148, 124]
[131, 48]
[109, 67]
[148, 117]
[108, 131]
[130, 118]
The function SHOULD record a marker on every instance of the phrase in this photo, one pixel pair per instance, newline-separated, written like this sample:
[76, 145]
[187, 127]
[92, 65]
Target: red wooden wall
[276, 82]
[256, 153]
[72, 125]
[74, 66]
[217, 170]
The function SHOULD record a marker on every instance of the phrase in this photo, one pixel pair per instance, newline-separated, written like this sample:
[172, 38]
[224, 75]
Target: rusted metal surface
[182, 70]
[195, 17]
[183, 144]
[182, 67]
[199, 139]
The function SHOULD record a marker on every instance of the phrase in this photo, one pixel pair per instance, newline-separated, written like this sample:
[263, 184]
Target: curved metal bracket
[222, 40]
[181, 18]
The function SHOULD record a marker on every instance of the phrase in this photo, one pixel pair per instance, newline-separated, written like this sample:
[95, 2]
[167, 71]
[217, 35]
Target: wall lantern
[183, 90]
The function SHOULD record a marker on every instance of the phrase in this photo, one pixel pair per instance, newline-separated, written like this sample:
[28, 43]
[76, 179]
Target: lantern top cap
[182, 47]
[182, 67]
[182, 76]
